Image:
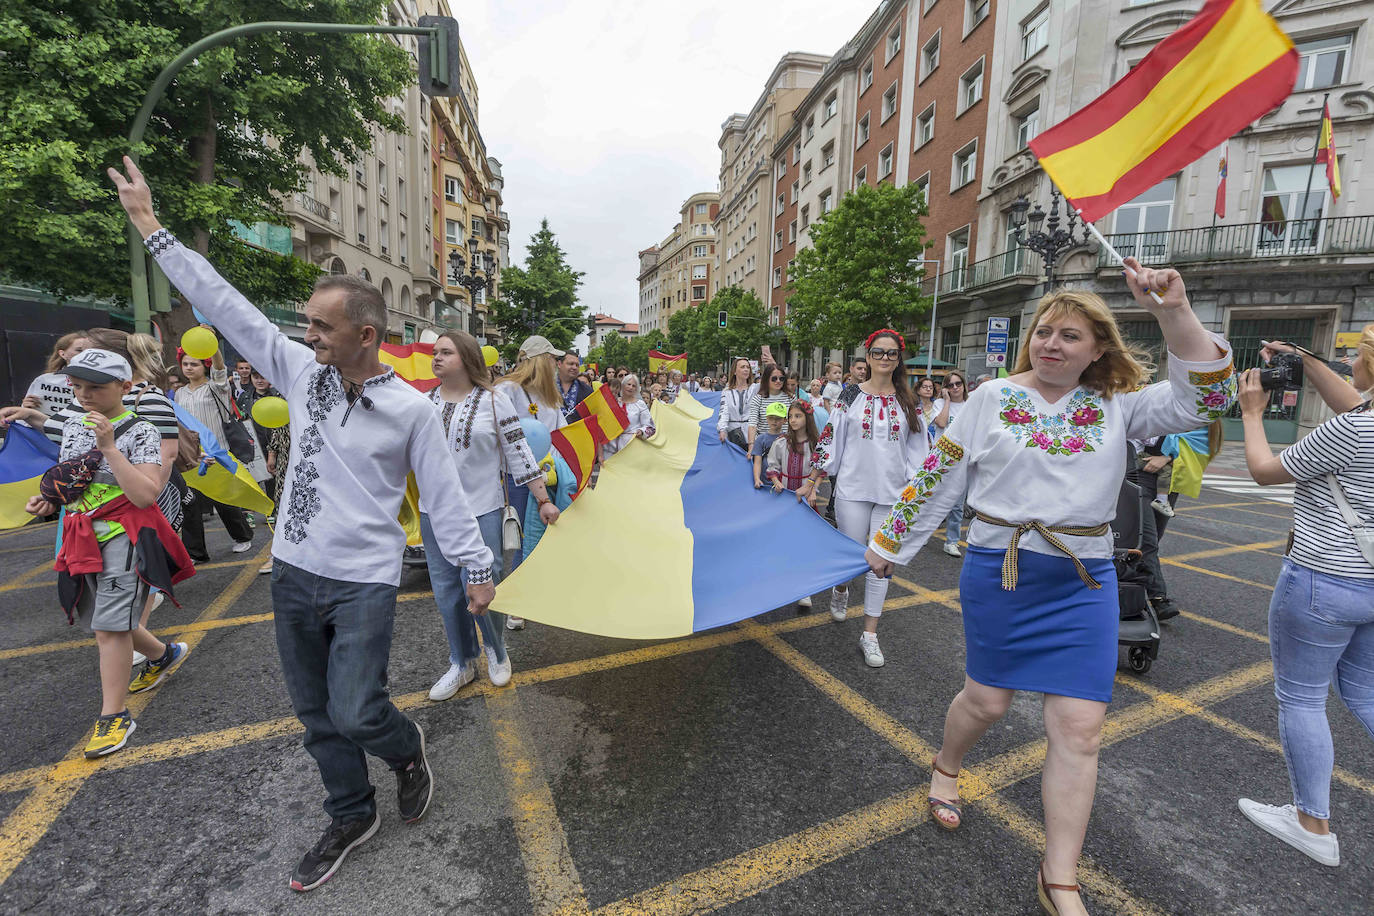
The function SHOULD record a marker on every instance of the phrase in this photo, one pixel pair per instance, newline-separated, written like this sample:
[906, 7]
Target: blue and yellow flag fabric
[1191, 456]
[226, 481]
[674, 540]
[25, 456]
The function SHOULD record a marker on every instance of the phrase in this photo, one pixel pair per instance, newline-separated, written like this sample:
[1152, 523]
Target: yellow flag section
[642, 588]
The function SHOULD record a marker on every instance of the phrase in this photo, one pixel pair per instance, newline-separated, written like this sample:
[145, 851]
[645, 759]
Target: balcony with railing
[1018, 266]
[319, 212]
[1330, 237]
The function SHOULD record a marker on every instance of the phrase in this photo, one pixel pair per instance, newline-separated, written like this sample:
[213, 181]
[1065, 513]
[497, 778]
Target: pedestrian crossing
[1244, 486]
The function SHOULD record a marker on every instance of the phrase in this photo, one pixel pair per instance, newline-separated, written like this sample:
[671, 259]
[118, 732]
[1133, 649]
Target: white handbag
[1364, 536]
[512, 525]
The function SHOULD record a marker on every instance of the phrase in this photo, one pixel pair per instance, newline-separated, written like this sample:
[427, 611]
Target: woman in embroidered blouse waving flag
[1042, 454]
[872, 444]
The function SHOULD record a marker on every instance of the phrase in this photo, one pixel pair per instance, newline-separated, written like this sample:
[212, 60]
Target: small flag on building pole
[1220, 208]
[1326, 152]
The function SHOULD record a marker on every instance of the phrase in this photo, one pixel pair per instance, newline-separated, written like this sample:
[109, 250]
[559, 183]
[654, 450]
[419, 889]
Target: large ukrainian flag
[25, 456]
[674, 539]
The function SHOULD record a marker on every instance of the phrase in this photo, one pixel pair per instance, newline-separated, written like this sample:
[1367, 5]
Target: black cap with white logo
[99, 366]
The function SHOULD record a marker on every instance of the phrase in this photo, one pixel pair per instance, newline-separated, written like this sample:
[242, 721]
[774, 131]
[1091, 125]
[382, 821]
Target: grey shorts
[113, 598]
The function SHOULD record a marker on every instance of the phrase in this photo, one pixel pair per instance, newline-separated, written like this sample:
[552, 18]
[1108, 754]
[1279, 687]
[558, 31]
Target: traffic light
[722, 316]
[439, 56]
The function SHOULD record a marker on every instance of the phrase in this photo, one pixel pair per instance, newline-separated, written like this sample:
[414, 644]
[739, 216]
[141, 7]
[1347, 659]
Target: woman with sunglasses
[956, 396]
[772, 390]
[872, 444]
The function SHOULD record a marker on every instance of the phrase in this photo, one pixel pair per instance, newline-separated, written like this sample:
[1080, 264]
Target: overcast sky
[605, 114]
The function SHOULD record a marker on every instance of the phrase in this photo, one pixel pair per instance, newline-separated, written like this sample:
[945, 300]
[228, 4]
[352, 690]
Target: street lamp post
[934, 309]
[1054, 240]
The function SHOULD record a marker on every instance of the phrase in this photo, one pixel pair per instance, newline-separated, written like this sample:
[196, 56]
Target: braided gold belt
[1010, 573]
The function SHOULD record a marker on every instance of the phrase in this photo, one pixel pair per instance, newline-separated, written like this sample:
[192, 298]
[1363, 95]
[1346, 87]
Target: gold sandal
[938, 804]
[1043, 888]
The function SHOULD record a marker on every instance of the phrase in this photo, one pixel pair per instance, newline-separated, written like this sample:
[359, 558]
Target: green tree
[854, 278]
[615, 349]
[541, 297]
[73, 75]
[680, 326]
[746, 329]
[639, 349]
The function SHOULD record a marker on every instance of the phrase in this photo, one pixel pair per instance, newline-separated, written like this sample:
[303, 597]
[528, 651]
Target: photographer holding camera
[1321, 618]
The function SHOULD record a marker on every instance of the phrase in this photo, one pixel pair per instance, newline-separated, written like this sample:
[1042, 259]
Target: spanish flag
[663, 362]
[412, 362]
[610, 415]
[1225, 68]
[25, 457]
[577, 443]
[1326, 152]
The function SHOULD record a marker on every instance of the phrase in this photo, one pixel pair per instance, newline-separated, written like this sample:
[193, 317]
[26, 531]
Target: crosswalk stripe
[1240, 486]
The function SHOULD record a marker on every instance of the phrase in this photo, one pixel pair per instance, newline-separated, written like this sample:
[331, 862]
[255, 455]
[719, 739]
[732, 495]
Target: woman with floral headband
[872, 444]
[1045, 452]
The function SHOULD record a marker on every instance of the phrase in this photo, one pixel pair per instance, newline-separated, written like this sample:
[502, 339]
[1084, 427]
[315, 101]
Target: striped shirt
[758, 408]
[1343, 445]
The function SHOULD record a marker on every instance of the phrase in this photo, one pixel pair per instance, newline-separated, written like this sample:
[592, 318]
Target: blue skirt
[1052, 634]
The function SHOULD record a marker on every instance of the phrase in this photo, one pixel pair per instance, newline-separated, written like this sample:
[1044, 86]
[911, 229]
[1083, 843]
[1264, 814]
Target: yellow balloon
[490, 355]
[200, 343]
[270, 412]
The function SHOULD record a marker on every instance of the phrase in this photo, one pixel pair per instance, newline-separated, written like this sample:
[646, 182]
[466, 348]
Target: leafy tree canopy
[541, 297]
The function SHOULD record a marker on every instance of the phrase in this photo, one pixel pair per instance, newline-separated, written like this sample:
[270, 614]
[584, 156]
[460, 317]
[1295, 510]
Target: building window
[1289, 216]
[827, 202]
[925, 126]
[861, 176]
[862, 131]
[958, 258]
[1035, 33]
[777, 240]
[1148, 217]
[698, 251]
[700, 209]
[866, 77]
[477, 227]
[698, 271]
[810, 128]
[894, 43]
[975, 11]
[930, 55]
[780, 205]
[806, 174]
[452, 192]
[777, 277]
[890, 102]
[832, 106]
[796, 190]
[926, 6]
[924, 184]
[1027, 125]
[827, 155]
[965, 165]
[796, 152]
[453, 232]
[1321, 62]
[885, 162]
[698, 292]
[806, 216]
[792, 231]
[949, 344]
[701, 229]
[971, 87]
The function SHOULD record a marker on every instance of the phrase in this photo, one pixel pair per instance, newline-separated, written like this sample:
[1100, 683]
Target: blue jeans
[954, 523]
[334, 639]
[1320, 625]
[519, 497]
[450, 594]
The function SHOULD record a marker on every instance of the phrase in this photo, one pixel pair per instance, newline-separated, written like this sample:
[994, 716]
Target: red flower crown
[804, 405]
[885, 332]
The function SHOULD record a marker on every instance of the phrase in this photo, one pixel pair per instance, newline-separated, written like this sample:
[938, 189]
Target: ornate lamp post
[1051, 242]
[481, 272]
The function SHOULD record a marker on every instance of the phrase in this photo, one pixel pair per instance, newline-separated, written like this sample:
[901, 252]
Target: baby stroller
[1138, 636]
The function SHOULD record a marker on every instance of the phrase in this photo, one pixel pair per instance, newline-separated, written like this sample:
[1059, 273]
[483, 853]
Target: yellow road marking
[23, 580]
[199, 626]
[1198, 507]
[1229, 628]
[30, 821]
[41, 526]
[1219, 575]
[1197, 537]
[1228, 550]
[30, 547]
[555, 887]
[1212, 522]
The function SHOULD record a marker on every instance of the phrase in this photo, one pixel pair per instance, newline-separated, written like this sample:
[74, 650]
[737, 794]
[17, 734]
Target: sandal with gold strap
[1044, 888]
[939, 804]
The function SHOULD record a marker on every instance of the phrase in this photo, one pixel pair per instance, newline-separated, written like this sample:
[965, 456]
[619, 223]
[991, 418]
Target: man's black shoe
[1165, 609]
[415, 785]
[324, 859]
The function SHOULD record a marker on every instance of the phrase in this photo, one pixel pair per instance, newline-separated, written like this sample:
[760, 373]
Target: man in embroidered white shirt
[356, 430]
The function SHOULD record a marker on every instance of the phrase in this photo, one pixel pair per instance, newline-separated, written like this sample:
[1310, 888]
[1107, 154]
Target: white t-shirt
[53, 390]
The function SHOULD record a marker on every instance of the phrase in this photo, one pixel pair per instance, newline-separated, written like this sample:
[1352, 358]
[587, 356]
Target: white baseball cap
[100, 366]
[536, 346]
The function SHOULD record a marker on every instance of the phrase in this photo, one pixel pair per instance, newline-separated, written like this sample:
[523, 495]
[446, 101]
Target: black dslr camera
[1284, 373]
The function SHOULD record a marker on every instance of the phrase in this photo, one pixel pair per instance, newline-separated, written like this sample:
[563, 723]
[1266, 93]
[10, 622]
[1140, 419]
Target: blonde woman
[1042, 454]
[641, 422]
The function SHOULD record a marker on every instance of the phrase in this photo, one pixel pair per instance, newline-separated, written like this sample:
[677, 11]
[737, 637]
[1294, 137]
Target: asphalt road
[760, 768]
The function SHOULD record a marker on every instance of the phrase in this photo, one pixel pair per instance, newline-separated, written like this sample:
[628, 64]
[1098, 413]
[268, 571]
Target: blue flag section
[225, 480]
[25, 456]
[696, 546]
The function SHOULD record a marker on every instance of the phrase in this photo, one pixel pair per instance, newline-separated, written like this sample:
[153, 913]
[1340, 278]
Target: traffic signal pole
[438, 66]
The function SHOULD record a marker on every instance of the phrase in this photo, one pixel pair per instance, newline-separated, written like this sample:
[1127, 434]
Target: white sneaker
[868, 645]
[139, 658]
[515, 623]
[453, 680]
[1163, 508]
[497, 673]
[265, 568]
[242, 546]
[838, 600]
[1282, 822]
[805, 602]
[952, 549]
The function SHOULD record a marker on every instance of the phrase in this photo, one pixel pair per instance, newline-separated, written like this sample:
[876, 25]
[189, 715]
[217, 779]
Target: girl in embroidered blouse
[1045, 450]
[482, 429]
[792, 457]
[873, 443]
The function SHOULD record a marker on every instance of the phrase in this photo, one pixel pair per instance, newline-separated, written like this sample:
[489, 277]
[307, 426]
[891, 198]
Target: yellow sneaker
[153, 673]
[111, 732]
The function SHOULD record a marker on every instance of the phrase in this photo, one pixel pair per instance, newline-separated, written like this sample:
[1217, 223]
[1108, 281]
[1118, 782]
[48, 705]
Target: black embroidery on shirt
[311, 441]
[304, 504]
[160, 241]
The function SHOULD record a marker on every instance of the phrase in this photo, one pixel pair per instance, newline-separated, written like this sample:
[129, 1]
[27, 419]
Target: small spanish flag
[664, 362]
[610, 415]
[1222, 70]
[1326, 152]
[577, 443]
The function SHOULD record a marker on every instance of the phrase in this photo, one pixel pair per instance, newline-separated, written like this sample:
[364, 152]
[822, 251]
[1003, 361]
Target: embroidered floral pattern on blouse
[1216, 391]
[887, 413]
[946, 455]
[1079, 428]
[311, 441]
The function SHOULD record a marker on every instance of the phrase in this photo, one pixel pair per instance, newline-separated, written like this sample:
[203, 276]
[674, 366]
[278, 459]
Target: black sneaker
[1165, 609]
[320, 863]
[415, 785]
